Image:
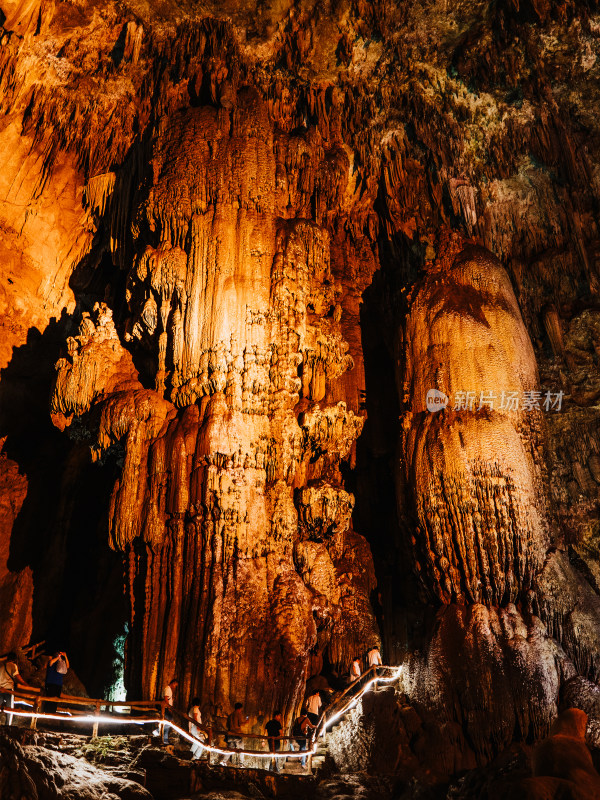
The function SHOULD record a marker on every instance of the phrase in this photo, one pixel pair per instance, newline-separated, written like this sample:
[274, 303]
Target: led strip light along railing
[327, 722]
[277, 754]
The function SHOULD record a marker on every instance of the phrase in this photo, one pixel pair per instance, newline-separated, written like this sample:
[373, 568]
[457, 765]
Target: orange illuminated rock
[216, 509]
[226, 225]
[562, 763]
[482, 532]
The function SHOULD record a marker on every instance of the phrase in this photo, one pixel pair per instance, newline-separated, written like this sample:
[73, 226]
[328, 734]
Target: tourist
[195, 715]
[234, 738]
[56, 669]
[10, 679]
[374, 657]
[273, 728]
[355, 670]
[313, 707]
[301, 732]
[168, 694]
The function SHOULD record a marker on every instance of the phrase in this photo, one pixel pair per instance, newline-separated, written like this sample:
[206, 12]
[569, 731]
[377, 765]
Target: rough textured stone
[237, 308]
[37, 773]
[471, 467]
[239, 230]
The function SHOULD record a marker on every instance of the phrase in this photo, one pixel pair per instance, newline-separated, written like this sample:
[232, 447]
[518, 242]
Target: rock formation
[562, 764]
[474, 468]
[311, 291]
[32, 772]
[230, 509]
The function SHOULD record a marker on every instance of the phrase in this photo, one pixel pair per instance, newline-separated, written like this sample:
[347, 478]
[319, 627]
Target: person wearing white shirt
[10, 680]
[194, 714]
[374, 657]
[313, 707]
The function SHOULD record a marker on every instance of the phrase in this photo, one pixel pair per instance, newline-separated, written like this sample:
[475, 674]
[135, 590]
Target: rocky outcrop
[37, 773]
[494, 673]
[562, 763]
[473, 487]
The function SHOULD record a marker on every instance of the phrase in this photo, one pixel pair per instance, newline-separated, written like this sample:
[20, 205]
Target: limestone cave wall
[239, 247]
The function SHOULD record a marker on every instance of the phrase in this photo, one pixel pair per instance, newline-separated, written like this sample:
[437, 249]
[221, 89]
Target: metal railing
[349, 697]
[144, 712]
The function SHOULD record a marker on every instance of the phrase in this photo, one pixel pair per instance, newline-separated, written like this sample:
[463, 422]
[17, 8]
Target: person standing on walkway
[56, 669]
[234, 735]
[374, 657]
[195, 715]
[168, 696]
[273, 728]
[355, 670]
[301, 731]
[10, 679]
[313, 707]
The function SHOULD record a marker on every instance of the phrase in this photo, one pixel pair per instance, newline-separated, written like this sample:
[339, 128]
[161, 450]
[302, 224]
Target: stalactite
[479, 498]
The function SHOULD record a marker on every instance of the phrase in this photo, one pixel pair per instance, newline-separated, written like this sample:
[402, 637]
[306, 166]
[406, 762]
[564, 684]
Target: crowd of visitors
[11, 680]
[302, 729]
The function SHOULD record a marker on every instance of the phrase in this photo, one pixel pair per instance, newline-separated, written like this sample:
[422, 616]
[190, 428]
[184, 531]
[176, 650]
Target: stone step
[294, 768]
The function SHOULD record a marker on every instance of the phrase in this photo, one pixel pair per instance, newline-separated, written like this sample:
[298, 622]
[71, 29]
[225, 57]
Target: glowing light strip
[157, 721]
[354, 700]
[211, 748]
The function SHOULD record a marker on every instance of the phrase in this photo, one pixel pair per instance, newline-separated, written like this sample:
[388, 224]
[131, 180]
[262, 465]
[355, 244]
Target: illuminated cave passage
[300, 357]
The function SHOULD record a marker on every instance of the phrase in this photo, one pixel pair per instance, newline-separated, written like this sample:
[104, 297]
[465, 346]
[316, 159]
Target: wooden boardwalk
[135, 713]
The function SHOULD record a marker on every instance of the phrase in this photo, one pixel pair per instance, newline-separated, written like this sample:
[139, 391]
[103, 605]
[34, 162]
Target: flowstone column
[231, 512]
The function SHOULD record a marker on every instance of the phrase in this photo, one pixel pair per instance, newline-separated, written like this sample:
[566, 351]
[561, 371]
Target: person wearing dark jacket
[273, 727]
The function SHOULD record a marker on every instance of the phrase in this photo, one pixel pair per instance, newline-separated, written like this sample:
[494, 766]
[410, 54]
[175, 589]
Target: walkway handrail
[206, 729]
[72, 699]
[157, 709]
[24, 650]
[156, 715]
[339, 706]
[211, 731]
